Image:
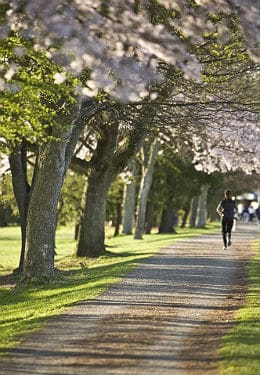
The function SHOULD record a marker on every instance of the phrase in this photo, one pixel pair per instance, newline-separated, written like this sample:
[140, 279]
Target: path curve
[165, 317]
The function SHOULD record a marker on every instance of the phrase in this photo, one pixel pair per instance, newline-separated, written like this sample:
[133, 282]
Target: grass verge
[240, 349]
[23, 310]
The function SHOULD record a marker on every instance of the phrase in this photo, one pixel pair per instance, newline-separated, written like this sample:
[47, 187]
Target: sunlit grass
[23, 310]
[241, 349]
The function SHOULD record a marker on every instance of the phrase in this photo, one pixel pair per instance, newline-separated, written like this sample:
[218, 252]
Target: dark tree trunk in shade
[108, 160]
[118, 219]
[91, 234]
[21, 188]
[185, 217]
[149, 217]
[101, 175]
[168, 220]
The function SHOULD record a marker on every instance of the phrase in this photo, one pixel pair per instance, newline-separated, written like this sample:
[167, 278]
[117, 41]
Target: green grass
[241, 349]
[24, 310]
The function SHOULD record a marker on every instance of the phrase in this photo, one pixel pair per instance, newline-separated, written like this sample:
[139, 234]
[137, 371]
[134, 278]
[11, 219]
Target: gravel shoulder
[166, 316]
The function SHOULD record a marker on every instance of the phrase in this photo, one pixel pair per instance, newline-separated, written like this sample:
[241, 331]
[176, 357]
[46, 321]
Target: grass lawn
[241, 350]
[23, 310]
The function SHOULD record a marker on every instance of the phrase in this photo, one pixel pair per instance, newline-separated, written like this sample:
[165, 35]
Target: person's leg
[229, 229]
[224, 232]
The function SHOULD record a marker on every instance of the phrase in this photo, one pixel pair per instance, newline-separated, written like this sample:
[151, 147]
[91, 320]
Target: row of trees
[48, 124]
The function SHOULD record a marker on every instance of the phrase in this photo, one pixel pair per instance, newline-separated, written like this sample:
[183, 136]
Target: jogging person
[226, 210]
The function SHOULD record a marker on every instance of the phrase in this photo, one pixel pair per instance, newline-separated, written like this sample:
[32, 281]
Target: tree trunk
[21, 190]
[129, 201]
[118, 219]
[101, 175]
[144, 190]
[91, 235]
[149, 217]
[202, 207]
[41, 220]
[53, 159]
[185, 216]
[108, 160]
[168, 220]
[193, 212]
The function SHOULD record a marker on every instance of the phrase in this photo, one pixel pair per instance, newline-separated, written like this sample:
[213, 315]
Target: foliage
[7, 196]
[177, 181]
[121, 42]
[30, 95]
[114, 197]
[69, 206]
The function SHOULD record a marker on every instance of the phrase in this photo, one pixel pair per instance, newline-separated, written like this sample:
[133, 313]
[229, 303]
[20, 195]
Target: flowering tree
[121, 42]
[115, 47]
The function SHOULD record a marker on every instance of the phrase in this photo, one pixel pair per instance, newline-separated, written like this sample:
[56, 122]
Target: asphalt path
[165, 317]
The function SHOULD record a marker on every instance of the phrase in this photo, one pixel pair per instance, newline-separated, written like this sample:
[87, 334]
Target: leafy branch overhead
[122, 42]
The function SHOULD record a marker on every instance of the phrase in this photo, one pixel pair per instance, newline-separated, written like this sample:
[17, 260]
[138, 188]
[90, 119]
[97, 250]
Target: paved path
[165, 317]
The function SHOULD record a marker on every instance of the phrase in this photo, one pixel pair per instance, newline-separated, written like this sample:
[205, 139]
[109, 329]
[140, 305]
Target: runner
[226, 210]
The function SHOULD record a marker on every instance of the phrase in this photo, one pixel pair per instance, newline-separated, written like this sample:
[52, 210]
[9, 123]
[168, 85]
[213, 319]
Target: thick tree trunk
[144, 190]
[108, 160]
[101, 175]
[202, 207]
[53, 159]
[21, 190]
[129, 201]
[41, 220]
[91, 235]
[193, 212]
[168, 220]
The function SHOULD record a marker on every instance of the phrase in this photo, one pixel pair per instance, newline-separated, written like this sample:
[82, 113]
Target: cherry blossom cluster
[119, 45]
[231, 147]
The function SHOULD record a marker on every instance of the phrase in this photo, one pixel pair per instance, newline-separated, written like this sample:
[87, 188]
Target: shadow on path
[166, 316]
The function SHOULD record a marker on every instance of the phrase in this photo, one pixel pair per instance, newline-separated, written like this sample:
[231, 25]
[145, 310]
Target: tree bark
[41, 220]
[21, 188]
[118, 219]
[91, 235]
[193, 212]
[108, 160]
[129, 201]
[53, 159]
[144, 190]
[185, 216]
[149, 217]
[168, 220]
[101, 175]
[202, 207]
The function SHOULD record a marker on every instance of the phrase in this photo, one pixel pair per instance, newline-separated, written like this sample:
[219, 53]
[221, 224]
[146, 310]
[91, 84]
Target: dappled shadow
[183, 297]
[141, 322]
[117, 341]
[9, 280]
[69, 280]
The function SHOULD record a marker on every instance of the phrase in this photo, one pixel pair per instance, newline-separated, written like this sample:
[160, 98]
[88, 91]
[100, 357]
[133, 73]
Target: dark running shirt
[227, 209]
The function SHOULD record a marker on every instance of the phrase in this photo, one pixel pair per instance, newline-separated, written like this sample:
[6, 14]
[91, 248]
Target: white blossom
[11, 71]
[59, 78]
